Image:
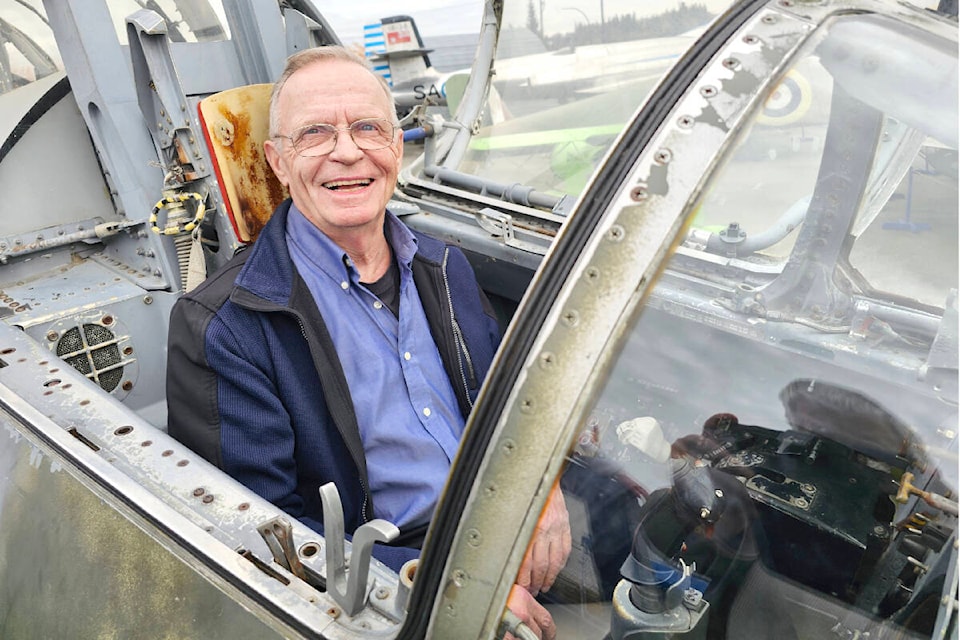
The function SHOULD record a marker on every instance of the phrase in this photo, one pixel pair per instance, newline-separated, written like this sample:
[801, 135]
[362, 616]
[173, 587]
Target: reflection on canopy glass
[566, 83]
[774, 452]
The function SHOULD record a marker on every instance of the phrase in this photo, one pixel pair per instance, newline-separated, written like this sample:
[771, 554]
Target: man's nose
[344, 146]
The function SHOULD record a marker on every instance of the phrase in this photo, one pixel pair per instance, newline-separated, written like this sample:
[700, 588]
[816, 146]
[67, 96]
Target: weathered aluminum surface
[190, 522]
[73, 566]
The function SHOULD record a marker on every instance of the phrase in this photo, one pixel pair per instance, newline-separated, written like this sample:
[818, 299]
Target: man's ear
[399, 152]
[271, 151]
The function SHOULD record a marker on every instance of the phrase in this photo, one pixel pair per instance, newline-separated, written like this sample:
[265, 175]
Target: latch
[501, 224]
[278, 534]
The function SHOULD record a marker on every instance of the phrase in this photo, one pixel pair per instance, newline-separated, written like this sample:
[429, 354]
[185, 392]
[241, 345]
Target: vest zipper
[461, 344]
[363, 484]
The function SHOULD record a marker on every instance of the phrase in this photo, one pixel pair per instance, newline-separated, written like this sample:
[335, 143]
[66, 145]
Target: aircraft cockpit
[722, 240]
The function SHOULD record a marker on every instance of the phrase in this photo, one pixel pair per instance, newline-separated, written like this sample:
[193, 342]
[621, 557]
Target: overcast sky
[458, 16]
[432, 16]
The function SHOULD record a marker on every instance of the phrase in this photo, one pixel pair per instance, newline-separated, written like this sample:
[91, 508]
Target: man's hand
[531, 613]
[549, 548]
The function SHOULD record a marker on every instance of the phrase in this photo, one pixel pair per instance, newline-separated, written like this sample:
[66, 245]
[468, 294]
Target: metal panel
[192, 511]
[72, 566]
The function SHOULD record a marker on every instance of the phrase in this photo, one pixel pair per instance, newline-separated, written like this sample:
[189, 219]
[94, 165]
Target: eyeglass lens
[321, 139]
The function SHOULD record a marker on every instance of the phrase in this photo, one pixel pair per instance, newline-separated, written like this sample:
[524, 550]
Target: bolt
[616, 233]
[748, 39]
[547, 360]
[52, 336]
[708, 91]
[718, 493]
[333, 612]
[704, 513]
[663, 156]
[731, 63]
[692, 598]
[147, 299]
[382, 593]
[199, 491]
[474, 538]
[802, 503]
[639, 193]
[685, 122]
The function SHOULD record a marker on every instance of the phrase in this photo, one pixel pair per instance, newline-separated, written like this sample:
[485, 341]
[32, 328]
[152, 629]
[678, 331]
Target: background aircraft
[396, 50]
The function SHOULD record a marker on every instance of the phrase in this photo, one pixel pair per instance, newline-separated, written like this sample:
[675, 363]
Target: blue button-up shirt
[406, 408]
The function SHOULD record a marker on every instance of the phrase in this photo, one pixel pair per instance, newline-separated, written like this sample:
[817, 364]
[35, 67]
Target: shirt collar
[324, 254]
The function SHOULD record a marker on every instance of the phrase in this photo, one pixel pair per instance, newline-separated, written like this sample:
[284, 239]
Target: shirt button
[378, 305]
[406, 356]
[344, 285]
[426, 411]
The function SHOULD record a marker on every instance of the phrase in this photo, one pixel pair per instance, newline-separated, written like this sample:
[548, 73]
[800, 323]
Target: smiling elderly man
[342, 347]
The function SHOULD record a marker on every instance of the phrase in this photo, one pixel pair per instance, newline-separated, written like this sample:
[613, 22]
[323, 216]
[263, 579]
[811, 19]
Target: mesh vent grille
[94, 353]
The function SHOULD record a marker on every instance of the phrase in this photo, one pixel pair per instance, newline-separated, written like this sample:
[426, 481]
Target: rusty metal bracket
[278, 534]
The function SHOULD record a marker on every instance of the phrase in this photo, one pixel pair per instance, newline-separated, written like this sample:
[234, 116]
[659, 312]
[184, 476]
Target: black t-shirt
[387, 288]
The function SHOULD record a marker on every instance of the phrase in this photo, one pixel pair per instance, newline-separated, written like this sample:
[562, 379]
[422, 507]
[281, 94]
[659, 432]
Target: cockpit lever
[349, 591]
[935, 500]
[278, 534]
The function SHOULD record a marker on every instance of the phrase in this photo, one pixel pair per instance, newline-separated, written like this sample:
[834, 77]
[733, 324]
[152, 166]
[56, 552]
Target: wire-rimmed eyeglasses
[315, 140]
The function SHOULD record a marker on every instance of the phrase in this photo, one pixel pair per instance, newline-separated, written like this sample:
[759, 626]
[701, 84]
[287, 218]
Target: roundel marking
[789, 101]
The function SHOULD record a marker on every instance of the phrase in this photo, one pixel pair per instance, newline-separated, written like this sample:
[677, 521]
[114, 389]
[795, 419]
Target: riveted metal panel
[602, 293]
[73, 566]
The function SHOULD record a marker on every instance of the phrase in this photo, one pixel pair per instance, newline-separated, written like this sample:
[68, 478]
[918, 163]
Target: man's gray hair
[308, 57]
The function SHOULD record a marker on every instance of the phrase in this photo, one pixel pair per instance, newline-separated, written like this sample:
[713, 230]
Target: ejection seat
[235, 124]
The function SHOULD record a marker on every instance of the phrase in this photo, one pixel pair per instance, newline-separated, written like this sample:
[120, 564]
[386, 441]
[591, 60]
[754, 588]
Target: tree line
[624, 27]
